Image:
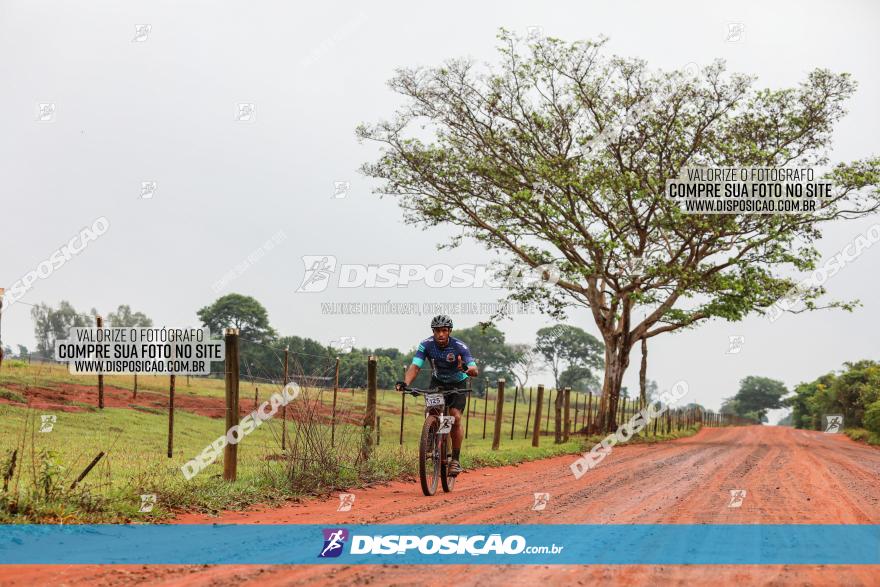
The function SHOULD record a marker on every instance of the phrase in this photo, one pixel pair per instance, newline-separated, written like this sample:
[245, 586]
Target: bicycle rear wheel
[429, 457]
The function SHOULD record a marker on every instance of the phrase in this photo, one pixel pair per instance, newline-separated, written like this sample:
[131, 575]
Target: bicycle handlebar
[416, 391]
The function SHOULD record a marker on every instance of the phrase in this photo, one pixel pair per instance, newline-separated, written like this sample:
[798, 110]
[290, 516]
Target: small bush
[872, 418]
[857, 434]
[14, 363]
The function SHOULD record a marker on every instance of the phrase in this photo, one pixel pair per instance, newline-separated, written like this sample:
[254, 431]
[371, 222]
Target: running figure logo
[334, 540]
[318, 271]
[736, 498]
[346, 500]
[541, 500]
[47, 422]
[833, 423]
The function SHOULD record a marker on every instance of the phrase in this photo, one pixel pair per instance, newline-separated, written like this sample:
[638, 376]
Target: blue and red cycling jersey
[444, 360]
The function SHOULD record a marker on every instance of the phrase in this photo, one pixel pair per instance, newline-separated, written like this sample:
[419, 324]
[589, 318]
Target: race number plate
[446, 423]
[433, 400]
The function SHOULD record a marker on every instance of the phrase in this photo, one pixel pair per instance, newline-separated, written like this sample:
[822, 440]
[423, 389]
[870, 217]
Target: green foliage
[756, 395]
[851, 392]
[353, 370]
[123, 316]
[250, 318]
[572, 349]
[559, 155]
[580, 378]
[11, 395]
[52, 324]
[51, 471]
[494, 357]
[872, 418]
[238, 311]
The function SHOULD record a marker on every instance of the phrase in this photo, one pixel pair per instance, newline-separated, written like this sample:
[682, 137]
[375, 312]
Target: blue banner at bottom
[654, 544]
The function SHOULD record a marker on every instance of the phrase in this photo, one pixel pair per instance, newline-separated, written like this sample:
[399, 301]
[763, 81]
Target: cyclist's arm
[411, 373]
[418, 360]
[469, 361]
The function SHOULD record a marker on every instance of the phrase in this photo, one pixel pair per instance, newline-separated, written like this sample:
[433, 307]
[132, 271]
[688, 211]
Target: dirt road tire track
[790, 476]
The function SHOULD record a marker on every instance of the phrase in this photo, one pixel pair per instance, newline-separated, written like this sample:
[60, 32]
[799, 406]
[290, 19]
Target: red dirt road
[790, 476]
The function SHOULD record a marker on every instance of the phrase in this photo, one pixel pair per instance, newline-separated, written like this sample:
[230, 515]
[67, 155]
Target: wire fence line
[315, 420]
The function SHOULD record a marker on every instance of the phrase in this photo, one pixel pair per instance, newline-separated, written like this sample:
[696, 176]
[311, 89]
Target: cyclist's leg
[457, 403]
[457, 432]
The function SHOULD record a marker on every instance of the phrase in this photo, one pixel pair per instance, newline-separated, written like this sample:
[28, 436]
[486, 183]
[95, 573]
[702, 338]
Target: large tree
[565, 347]
[52, 324]
[494, 357]
[527, 360]
[756, 395]
[259, 353]
[561, 154]
[238, 311]
[123, 316]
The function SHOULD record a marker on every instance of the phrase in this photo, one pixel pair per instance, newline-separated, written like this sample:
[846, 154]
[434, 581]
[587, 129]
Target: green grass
[862, 435]
[135, 443]
[52, 375]
[12, 396]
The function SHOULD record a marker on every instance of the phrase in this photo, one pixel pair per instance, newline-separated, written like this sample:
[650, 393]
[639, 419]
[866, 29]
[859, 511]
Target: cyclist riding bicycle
[451, 365]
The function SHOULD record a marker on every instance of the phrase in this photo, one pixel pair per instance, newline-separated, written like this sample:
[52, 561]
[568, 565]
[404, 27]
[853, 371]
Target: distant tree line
[573, 356]
[853, 392]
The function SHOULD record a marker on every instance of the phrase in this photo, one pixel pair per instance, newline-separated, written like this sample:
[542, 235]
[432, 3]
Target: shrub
[872, 417]
[14, 363]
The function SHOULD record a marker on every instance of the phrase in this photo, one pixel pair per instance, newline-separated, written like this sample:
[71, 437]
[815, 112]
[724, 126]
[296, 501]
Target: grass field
[135, 445]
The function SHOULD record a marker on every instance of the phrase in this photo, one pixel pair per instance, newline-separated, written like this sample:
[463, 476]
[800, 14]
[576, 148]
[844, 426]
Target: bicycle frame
[434, 447]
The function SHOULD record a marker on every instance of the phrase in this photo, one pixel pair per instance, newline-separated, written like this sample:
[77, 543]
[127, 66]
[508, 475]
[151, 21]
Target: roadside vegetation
[38, 486]
[853, 392]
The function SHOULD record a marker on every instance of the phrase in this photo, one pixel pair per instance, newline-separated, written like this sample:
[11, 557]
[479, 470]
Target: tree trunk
[616, 362]
[557, 417]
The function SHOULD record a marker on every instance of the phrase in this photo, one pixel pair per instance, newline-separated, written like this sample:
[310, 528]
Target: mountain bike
[435, 445]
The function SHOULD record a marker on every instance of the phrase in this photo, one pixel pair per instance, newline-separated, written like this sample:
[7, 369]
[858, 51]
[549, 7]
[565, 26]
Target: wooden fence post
[528, 415]
[589, 412]
[547, 425]
[135, 386]
[370, 414]
[171, 416]
[513, 419]
[557, 416]
[567, 430]
[284, 382]
[333, 411]
[499, 413]
[403, 414]
[485, 409]
[85, 471]
[99, 322]
[536, 433]
[230, 451]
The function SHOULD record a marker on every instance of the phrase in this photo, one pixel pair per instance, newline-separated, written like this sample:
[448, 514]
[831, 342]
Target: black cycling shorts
[453, 400]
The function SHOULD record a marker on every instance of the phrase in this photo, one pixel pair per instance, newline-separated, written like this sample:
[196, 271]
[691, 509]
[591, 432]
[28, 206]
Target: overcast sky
[160, 104]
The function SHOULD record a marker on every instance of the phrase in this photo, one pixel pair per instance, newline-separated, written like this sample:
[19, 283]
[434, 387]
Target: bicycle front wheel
[429, 456]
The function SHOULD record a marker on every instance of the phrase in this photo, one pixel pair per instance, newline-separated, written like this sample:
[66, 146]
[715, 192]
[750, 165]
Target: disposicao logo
[334, 540]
